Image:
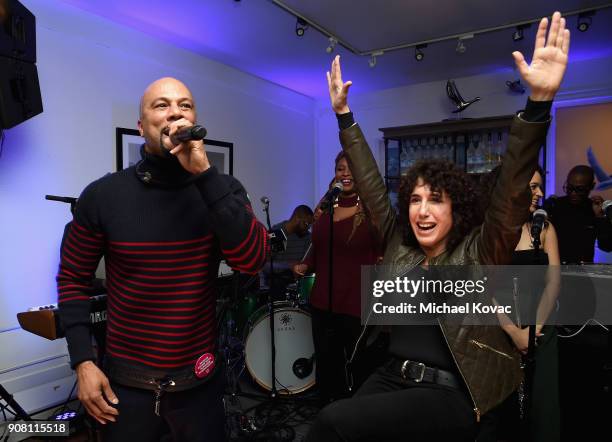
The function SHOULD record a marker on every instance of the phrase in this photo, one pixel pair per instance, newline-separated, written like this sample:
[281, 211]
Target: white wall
[92, 73]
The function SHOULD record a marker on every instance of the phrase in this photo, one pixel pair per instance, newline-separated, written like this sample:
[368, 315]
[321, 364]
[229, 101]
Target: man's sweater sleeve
[81, 250]
[243, 239]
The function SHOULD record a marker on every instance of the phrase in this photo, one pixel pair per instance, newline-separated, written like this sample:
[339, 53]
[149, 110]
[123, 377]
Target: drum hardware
[234, 311]
[271, 338]
[293, 339]
[302, 367]
[284, 325]
[299, 292]
[273, 391]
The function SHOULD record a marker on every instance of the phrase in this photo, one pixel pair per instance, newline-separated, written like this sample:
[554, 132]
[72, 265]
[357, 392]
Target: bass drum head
[293, 340]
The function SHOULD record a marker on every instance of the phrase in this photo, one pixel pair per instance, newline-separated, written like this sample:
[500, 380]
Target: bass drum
[293, 342]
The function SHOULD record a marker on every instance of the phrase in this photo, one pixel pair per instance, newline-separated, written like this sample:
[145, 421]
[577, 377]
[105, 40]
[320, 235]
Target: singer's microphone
[537, 223]
[264, 200]
[196, 132]
[607, 209]
[331, 195]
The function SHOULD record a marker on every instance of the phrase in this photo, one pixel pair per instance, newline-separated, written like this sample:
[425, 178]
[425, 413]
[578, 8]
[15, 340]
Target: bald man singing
[162, 225]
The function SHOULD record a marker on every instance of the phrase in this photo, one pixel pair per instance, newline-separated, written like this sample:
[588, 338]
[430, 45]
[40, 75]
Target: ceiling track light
[419, 55]
[372, 60]
[585, 19]
[332, 44]
[461, 47]
[300, 27]
[519, 32]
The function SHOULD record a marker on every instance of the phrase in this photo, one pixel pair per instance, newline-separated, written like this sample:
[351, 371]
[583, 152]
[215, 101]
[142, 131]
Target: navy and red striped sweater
[162, 232]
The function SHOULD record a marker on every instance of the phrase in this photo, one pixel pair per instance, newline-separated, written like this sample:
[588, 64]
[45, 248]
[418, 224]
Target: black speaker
[19, 88]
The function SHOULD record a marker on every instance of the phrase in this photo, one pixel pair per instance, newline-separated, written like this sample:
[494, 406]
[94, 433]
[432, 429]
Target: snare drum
[293, 341]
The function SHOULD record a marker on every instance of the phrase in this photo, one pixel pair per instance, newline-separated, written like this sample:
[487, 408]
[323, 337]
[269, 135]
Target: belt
[419, 372]
[150, 379]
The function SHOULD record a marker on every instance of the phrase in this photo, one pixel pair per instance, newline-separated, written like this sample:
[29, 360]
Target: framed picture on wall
[128, 142]
[221, 155]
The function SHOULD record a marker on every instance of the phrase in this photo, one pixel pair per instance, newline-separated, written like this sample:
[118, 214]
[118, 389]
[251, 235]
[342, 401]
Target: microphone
[196, 132]
[302, 367]
[607, 209]
[537, 224]
[331, 195]
[265, 200]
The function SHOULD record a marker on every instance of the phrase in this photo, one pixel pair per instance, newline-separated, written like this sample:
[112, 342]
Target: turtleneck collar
[161, 171]
[348, 201]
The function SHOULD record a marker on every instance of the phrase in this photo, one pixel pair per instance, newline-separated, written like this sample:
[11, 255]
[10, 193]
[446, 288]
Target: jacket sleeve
[603, 230]
[370, 185]
[509, 206]
[243, 239]
[81, 250]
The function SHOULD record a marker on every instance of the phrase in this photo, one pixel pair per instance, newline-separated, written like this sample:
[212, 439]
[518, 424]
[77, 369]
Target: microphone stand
[63, 199]
[20, 413]
[273, 391]
[530, 361]
[330, 281]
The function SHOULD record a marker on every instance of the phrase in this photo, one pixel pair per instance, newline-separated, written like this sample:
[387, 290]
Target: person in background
[544, 414]
[579, 218]
[580, 221]
[335, 331]
[297, 232]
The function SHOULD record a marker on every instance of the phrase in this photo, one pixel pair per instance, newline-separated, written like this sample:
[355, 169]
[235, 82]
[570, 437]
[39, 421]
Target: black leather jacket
[484, 355]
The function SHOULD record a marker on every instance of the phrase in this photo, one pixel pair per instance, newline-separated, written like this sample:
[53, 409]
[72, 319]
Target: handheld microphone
[265, 200]
[537, 224]
[331, 195]
[607, 209]
[196, 132]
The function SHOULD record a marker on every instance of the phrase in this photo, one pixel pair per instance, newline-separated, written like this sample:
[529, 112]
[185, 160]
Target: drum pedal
[247, 424]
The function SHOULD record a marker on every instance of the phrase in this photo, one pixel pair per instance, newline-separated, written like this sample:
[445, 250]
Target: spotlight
[419, 55]
[516, 86]
[300, 27]
[332, 44]
[585, 19]
[372, 61]
[519, 32]
[461, 47]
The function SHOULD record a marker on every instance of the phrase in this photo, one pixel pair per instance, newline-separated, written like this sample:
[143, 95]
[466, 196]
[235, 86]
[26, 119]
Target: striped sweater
[162, 232]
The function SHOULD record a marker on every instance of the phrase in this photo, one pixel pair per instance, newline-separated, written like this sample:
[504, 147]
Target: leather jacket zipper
[476, 409]
[488, 347]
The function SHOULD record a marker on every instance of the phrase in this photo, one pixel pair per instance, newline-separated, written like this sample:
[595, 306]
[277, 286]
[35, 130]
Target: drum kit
[245, 338]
